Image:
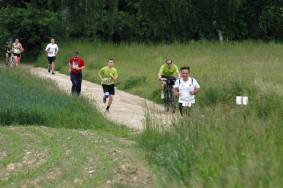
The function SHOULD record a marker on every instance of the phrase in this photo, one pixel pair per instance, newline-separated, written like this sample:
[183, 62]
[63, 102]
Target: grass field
[221, 144]
[50, 139]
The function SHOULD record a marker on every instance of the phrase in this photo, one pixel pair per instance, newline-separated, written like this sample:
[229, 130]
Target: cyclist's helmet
[10, 39]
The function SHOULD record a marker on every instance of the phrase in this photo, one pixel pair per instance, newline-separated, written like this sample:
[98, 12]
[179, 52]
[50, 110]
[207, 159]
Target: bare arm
[100, 76]
[159, 75]
[175, 91]
[178, 74]
[195, 91]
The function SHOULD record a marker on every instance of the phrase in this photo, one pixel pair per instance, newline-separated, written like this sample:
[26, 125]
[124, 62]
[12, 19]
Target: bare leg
[53, 66]
[110, 100]
[7, 58]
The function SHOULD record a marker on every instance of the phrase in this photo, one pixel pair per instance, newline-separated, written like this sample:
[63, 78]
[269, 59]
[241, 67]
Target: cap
[76, 52]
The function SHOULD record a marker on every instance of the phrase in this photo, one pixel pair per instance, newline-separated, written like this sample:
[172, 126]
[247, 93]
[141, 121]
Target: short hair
[169, 60]
[185, 68]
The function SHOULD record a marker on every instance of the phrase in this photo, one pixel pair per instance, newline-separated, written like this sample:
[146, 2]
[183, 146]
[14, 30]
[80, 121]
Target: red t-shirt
[79, 62]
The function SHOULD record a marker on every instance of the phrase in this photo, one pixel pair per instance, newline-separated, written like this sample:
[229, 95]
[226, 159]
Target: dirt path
[126, 109]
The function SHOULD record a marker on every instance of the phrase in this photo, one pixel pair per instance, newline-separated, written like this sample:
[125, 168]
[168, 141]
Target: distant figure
[52, 50]
[8, 48]
[75, 70]
[17, 49]
[108, 76]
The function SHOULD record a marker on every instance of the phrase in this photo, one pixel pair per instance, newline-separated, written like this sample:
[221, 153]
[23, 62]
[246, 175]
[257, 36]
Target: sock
[107, 108]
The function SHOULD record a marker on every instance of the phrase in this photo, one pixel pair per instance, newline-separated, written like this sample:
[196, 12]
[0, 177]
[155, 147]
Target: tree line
[35, 22]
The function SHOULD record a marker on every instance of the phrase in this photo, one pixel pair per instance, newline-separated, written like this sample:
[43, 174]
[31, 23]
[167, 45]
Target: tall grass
[221, 144]
[29, 100]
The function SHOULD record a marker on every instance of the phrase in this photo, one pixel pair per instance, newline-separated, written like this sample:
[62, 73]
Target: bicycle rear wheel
[166, 101]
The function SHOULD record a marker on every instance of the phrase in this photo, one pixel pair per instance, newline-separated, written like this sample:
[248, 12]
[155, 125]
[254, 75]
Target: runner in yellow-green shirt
[108, 76]
[167, 70]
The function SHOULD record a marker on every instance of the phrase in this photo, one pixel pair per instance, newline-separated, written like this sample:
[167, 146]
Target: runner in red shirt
[75, 70]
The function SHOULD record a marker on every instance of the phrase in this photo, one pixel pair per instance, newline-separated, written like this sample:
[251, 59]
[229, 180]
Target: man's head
[76, 54]
[185, 71]
[52, 40]
[169, 62]
[110, 63]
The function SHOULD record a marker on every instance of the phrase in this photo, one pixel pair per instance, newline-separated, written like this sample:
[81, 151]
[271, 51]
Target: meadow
[221, 144]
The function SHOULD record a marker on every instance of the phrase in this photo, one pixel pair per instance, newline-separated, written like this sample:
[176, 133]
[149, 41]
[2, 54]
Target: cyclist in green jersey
[167, 70]
[108, 76]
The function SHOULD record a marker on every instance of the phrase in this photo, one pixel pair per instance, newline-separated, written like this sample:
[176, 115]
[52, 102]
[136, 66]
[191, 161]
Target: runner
[17, 49]
[186, 88]
[108, 76]
[75, 70]
[52, 50]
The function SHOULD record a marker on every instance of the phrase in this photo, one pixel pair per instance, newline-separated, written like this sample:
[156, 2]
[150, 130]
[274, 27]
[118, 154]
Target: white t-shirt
[53, 48]
[184, 88]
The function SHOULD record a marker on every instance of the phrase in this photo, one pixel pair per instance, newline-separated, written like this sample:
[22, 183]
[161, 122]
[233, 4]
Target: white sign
[242, 100]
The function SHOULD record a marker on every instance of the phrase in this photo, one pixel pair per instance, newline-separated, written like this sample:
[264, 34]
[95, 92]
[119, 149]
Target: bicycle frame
[11, 61]
[169, 98]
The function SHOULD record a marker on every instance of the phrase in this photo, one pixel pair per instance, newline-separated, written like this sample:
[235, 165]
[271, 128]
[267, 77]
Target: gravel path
[126, 109]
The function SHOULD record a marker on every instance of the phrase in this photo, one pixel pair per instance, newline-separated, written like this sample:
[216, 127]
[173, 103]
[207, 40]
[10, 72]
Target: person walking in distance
[75, 70]
[108, 76]
[186, 88]
[52, 50]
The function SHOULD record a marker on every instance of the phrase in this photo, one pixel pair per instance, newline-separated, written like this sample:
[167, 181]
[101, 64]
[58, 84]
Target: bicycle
[169, 98]
[11, 61]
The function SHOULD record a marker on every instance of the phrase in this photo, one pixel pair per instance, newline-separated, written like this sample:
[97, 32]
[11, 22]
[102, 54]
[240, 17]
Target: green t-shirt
[166, 71]
[105, 73]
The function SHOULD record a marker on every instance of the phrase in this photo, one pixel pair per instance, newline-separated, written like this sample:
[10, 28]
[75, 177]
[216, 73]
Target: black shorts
[18, 55]
[109, 88]
[51, 59]
[170, 79]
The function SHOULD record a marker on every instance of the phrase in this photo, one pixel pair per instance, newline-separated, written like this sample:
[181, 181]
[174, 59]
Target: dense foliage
[141, 20]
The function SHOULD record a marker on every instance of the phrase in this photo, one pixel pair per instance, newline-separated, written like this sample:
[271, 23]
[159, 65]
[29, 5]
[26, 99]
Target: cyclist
[17, 50]
[186, 88]
[52, 50]
[108, 76]
[166, 71]
[8, 48]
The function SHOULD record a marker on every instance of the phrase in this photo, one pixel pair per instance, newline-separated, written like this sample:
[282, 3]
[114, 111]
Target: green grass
[212, 64]
[51, 139]
[221, 144]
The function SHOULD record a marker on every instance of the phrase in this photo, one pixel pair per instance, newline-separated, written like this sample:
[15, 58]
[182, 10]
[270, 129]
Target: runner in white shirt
[52, 50]
[186, 88]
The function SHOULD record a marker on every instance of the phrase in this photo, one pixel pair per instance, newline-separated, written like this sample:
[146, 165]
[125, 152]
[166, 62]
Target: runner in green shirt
[108, 76]
[165, 71]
